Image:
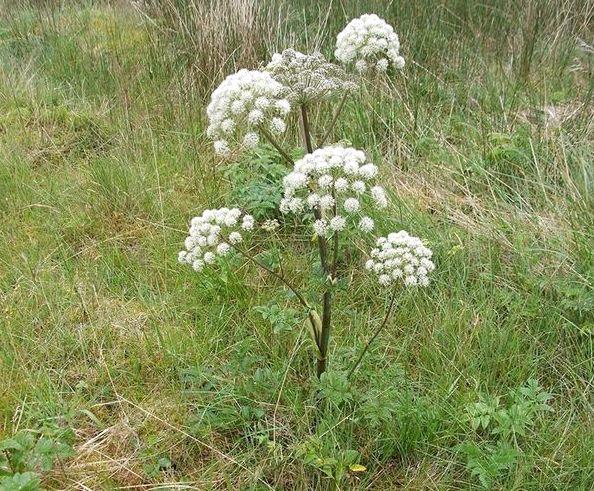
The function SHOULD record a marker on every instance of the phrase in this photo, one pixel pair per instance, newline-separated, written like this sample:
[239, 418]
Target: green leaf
[26, 481]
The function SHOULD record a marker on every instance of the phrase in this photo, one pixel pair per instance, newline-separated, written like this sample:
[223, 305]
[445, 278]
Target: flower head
[308, 77]
[242, 103]
[337, 181]
[369, 43]
[213, 234]
[400, 257]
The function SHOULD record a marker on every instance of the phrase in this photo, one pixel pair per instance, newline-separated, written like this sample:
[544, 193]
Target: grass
[167, 378]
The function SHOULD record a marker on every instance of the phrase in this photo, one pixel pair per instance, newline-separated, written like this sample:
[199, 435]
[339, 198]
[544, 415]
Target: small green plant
[281, 319]
[505, 424]
[28, 453]
[333, 465]
[487, 462]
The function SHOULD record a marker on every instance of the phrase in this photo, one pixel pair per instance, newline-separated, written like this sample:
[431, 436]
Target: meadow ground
[119, 368]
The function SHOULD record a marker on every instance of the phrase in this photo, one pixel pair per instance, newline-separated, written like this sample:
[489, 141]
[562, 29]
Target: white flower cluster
[245, 102]
[213, 234]
[401, 257]
[308, 77]
[334, 180]
[370, 43]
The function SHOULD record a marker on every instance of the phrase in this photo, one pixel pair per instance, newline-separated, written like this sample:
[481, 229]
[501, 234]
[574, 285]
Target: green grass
[165, 376]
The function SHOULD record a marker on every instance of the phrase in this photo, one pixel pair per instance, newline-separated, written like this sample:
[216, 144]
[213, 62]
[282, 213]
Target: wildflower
[248, 222]
[223, 248]
[242, 103]
[308, 77]
[369, 43]
[277, 126]
[212, 234]
[401, 257]
[351, 205]
[235, 238]
[270, 225]
[221, 147]
[337, 223]
[332, 179]
[361, 66]
[320, 227]
[250, 140]
[379, 196]
[366, 224]
[327, 201]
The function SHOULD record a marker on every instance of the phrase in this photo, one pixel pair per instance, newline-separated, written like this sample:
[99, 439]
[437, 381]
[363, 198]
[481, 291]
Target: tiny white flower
[223, 249]
[368, 171]
[341, 184]
[366, 224]
[262, 103]
[283, 106]
[382, 64]
[379, 196]
[228, 125]
[255, 117]
[209, 257]
[384, 279]
[235, 237]
[198, 265]
[277, 126]
[270, 225]
[361, 66]
[248, 223]
[410, 280]
[221, 147]
[296, 205]
[351, 205]
[326, 201]
[358, 187]
[313, 200]
[337, 223]
[399, 64]
[320, 227]
[251, 140]
[325, 181]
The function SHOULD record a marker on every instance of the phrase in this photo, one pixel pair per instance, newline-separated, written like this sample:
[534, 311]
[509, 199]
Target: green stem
[305, 132]
[375, 335]
[334, 119]
[323, 251]
[276, 145]
[271, 271]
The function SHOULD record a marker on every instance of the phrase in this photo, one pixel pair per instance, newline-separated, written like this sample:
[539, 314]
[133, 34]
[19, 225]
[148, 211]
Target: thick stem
[334, 119]
[276, 145]
[305, 132]
[375, 335]
[323, 250]
[326, 327]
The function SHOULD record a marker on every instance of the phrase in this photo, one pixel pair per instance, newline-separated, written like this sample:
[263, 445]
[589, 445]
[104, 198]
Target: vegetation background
[120, 369]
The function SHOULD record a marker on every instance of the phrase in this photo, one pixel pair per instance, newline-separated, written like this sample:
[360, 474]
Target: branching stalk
[334, 119]
[280, 277]
[375, 335]
[278, 147]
